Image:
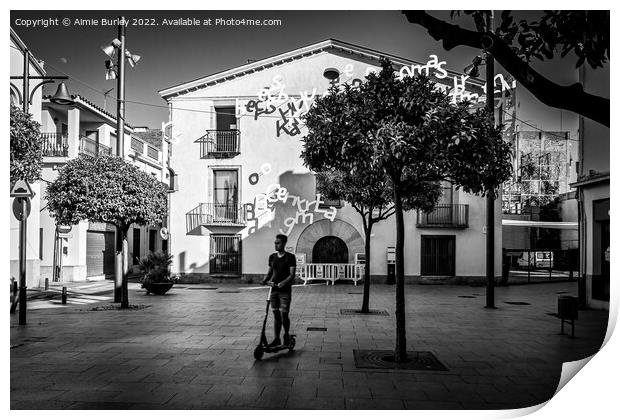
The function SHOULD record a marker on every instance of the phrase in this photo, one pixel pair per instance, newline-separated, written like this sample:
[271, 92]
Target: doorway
[330, 249]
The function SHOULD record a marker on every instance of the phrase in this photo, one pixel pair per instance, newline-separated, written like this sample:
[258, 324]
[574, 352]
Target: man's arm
[268, 275]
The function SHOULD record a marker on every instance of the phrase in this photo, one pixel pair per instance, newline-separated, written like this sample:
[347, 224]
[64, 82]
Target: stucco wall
[261, 144]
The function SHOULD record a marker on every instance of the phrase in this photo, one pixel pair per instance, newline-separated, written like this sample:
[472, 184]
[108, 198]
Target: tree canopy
[25, 146]
[408, 132]
[106, 189]
[514, 44]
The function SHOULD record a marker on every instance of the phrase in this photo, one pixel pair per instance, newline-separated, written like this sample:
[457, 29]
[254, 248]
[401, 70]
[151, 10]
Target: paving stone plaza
[192, 349]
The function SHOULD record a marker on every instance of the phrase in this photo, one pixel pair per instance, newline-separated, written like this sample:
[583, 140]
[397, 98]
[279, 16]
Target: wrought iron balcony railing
[54, 145]
[445, 216]
[219, 144]
[215, 214]
[93, 147]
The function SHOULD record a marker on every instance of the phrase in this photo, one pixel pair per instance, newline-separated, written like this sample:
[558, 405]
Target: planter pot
[158, 288]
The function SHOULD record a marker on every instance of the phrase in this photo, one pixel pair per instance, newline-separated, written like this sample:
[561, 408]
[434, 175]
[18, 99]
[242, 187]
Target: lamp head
[61, 97]
[132, 59]
[110, 50]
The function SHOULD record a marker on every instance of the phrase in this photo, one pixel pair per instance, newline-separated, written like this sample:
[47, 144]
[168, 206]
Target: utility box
[391, 265]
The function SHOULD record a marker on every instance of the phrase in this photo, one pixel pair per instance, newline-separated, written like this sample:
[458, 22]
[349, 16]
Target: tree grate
[467, 297]
[384, 359]
[316, 329]
[204, 288]
[358, 312]
[517, 303]
[228, 291]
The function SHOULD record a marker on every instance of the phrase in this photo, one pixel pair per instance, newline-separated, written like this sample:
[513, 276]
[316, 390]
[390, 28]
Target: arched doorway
[330, 249]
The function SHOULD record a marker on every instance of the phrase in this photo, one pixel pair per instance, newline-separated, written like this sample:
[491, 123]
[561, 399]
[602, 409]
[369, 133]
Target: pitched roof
[299, 53]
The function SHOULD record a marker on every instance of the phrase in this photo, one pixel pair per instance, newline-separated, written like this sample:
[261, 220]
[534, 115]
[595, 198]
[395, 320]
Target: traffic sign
[18, 208]
[22, 189]
[163, 232]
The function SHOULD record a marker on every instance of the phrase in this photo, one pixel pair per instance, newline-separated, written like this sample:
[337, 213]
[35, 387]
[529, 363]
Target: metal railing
[445, 216]
[54, 144]
[331, 272]
[219, 143]
[215, 214]
[92, 147]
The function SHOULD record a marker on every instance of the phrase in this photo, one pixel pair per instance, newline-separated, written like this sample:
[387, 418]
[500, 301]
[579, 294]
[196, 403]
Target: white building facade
[236, 149]
[86, 251]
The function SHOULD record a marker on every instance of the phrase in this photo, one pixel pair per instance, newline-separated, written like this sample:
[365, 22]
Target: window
[226, 138]
[152, 239]
[438, 255]
[40, 243]
[136, 246]
[225, 195]
[225, 254]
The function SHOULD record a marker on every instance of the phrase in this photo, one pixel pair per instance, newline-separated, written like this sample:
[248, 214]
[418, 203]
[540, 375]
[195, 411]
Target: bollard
[64, 295]
[47, 283]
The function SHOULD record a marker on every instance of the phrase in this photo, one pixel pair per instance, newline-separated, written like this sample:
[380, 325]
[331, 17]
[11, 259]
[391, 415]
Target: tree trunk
[366, 299]
[400, 353]
[125, 267]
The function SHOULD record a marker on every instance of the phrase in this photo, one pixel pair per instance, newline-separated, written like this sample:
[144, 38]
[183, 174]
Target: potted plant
[157, 278]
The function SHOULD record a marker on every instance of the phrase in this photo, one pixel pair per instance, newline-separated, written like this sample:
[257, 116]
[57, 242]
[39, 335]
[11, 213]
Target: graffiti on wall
[264, 206]
[255, 176]
[287, 110]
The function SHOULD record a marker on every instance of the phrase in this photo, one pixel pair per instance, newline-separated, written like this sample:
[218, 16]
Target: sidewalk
[192, 349]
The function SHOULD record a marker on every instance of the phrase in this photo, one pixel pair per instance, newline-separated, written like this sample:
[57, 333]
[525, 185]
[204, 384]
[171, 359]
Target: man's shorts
[281, 301]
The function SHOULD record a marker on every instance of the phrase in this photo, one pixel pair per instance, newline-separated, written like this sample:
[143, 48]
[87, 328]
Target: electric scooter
[263, 345]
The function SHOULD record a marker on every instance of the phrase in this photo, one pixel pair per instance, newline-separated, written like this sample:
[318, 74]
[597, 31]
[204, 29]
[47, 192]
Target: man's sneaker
[276, 342]
[287, 340]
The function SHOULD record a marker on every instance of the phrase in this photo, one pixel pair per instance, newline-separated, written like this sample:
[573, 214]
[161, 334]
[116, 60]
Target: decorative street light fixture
[22, 203]
[116, 50]
[25, 97]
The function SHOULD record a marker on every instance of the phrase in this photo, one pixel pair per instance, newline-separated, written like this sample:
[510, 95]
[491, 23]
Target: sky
[171, 55]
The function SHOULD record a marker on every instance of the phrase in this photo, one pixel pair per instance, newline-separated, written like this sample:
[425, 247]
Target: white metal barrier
[331, 272]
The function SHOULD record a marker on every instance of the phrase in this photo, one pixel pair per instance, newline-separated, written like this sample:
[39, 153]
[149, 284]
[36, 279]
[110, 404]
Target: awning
[539, 224]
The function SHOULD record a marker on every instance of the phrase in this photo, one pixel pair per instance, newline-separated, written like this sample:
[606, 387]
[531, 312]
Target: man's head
[280, 242]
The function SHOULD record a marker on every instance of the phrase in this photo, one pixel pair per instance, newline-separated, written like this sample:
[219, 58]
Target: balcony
[445, 216]
[219, 144]
[92, 147]
[215, 214]
[54, 145]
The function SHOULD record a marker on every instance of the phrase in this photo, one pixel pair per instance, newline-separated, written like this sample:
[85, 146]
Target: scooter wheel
[258, 352]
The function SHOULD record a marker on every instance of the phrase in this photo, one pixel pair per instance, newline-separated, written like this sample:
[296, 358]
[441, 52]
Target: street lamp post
[62, 98]
[117, 71]
[472, 70]
[490, 103]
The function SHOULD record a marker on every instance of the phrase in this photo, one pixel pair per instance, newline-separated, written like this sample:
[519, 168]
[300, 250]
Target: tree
[367, 194]
[107, 189]
[416, 138]
[513, 45]
[25, 146]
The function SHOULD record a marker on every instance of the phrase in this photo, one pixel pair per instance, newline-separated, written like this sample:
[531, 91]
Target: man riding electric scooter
[280, 277]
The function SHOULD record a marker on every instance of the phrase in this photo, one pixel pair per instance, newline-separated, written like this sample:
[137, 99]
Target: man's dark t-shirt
[281, 267]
